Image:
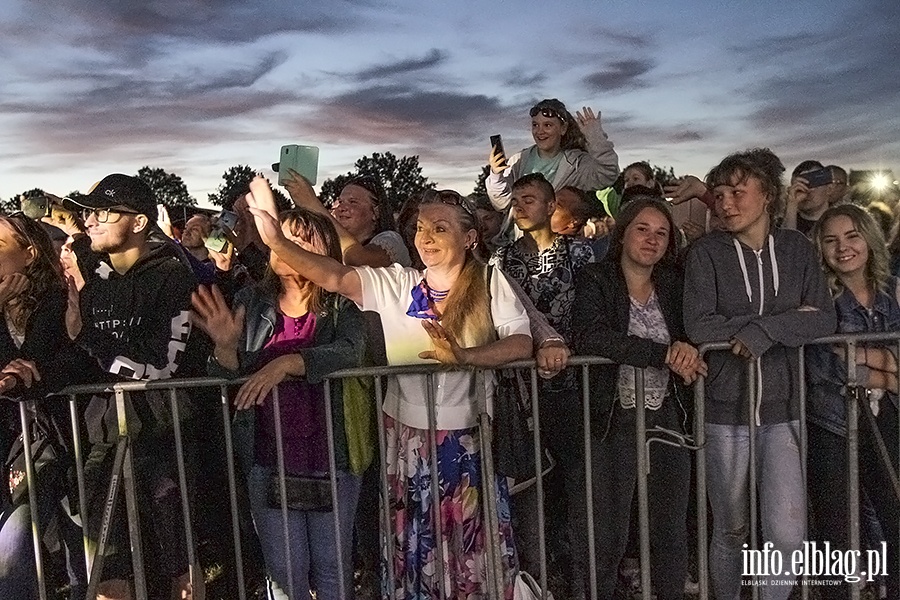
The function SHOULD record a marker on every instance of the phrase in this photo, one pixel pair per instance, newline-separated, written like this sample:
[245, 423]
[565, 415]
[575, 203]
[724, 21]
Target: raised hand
[261, 204]
[684, 189]
[301, 192]
[73, 309]
[497, 160]
[212, 314]
[586, 116]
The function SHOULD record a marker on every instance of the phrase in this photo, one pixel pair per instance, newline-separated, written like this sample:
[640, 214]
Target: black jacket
[600, 327]
[136, 326]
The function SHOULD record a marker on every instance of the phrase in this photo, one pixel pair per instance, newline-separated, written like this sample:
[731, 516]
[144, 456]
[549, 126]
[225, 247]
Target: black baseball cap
[120, 190]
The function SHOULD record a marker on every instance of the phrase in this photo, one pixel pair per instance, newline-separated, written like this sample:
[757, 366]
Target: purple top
[302, 406]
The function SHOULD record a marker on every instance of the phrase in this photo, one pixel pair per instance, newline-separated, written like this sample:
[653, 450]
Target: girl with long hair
[568, 150]
[33, 347]
[453, 312]
[290, 327]
[855, 260]
[628, 309]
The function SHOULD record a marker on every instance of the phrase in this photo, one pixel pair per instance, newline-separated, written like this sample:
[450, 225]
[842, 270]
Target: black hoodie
[136, 326]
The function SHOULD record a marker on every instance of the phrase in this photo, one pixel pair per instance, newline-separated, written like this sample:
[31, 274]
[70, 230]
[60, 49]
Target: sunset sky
[89, 88]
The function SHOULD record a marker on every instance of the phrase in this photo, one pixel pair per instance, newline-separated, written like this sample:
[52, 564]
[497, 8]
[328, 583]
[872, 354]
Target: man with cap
[132, 318]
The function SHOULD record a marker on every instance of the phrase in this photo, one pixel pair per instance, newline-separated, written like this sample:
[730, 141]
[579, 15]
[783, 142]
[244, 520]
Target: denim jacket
[826, 372]
[339, 344]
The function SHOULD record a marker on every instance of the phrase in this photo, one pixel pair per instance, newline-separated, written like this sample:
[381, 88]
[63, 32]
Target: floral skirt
[460, 506]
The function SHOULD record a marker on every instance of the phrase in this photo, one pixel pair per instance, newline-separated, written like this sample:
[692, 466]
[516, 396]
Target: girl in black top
[628, 309]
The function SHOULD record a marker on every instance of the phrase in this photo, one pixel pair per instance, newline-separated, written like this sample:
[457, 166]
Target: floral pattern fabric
[460, 506]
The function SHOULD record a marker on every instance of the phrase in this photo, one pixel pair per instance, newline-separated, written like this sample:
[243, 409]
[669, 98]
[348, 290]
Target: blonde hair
[467, 310]
[878, 262]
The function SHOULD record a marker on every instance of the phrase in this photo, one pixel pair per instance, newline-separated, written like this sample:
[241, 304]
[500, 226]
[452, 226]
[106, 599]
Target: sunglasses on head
[449, 197]
[550, 113]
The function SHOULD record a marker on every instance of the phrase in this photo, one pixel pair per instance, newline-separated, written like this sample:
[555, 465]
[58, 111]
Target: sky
[195, 87]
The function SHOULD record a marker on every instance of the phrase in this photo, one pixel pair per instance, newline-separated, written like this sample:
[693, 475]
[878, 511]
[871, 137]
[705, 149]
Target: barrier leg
[96, 565]
[232, 495]
[32, 483]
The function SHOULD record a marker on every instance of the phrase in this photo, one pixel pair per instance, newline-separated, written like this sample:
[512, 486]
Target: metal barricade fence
[123, 472]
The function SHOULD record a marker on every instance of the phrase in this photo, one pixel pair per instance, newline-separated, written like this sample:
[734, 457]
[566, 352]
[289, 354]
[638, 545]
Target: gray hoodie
[722, 301]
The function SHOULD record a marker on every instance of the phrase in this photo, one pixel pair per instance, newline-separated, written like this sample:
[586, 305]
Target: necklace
[437, 296]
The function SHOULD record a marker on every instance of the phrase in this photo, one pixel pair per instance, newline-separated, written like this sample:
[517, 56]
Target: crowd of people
[566, 254]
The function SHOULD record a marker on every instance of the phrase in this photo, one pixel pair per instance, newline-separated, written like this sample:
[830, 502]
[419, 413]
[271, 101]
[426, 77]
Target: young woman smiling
[628, 309]
[855, 258]
[453, 313]
[567, 150]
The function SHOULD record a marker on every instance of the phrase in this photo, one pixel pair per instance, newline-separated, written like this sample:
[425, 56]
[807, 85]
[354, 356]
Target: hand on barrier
[257, 388]
[23, 370]
[444, 346]
[684, 360]
[738, 348]
[551, 358]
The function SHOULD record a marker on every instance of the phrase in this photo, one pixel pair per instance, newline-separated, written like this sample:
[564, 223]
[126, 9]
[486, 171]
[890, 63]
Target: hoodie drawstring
[749, 291]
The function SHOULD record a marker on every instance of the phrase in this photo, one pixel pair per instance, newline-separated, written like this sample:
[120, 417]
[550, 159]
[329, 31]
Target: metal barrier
[124, 469]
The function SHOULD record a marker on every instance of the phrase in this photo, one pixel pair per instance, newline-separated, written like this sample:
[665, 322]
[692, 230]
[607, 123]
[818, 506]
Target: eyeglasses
[450, 197]
[102, 214]
[550, 113]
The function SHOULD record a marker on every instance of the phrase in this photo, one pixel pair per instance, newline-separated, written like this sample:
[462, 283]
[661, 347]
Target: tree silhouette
[480, 187]
[168, 188]
[401, 178]
[237, 183]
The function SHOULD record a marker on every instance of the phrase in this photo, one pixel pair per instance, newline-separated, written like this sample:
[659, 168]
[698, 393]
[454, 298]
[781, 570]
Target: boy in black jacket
[132, 317]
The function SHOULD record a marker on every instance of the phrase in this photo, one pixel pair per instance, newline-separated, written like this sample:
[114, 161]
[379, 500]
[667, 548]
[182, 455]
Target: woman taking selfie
[286, 326]
[456, 314]
[855, 258]
[628, 309]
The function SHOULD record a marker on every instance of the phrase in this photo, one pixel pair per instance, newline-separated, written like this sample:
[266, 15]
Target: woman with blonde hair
[456, 313]
[855, 259]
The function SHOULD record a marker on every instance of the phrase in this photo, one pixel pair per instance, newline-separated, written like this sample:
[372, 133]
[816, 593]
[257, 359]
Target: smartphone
[302, 159]
[226, 220]
[217, 240]
[817, 178]
[497, 142]
[36, 207]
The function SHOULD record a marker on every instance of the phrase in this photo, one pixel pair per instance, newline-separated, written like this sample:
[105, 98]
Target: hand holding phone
[302, 159]
[497, 157]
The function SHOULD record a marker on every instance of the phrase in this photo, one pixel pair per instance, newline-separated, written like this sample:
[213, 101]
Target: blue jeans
[314, 551]
[782, 500]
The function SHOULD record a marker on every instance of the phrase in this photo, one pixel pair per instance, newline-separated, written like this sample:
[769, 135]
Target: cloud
[519, 78]
[829, 94]
[402, 67]
[620, 75]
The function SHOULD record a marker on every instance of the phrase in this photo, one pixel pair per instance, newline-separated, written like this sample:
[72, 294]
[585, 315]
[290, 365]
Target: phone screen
[302, 159]
[497, 142]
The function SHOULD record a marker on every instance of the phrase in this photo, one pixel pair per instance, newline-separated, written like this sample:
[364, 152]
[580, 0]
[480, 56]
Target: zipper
[762, 304]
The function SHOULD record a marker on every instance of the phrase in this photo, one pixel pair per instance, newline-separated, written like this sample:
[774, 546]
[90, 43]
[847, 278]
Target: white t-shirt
[388, 291]
[392, 243]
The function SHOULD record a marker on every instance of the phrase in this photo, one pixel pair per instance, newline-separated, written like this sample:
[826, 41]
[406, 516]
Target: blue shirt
[826, 372]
